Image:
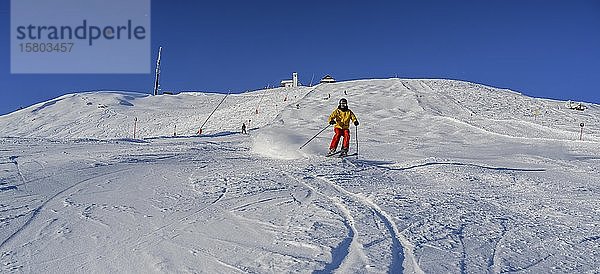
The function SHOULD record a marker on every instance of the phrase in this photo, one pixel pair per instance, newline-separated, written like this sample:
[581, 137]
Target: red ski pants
[336, 138]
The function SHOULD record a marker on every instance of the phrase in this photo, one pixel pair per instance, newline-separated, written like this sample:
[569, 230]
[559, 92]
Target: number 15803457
[46, 47]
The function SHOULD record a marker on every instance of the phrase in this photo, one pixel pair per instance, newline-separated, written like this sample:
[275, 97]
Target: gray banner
[80, 36]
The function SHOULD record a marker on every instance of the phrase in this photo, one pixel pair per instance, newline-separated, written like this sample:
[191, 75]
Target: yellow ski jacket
[342, 118]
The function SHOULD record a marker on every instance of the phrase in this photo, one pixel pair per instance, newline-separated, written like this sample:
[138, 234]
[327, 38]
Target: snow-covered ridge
[384, 102]
[113, 114]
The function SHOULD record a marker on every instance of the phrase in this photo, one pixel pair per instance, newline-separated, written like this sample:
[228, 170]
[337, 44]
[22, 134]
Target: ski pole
[328, 125]
[356, 141]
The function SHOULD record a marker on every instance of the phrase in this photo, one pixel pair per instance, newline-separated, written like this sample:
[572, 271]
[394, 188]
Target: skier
[341, 117]
[244, 128]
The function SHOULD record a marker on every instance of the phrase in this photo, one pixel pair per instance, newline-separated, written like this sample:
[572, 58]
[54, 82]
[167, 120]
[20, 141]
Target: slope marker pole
[134, 126]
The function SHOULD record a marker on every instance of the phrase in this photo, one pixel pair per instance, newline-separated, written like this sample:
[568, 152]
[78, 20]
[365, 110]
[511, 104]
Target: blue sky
[547, 49]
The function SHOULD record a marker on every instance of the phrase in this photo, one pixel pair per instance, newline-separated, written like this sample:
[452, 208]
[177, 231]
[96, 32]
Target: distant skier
[244, 128]
[341, 117]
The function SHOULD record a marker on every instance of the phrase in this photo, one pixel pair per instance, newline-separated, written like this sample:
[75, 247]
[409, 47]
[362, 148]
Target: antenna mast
[157, 75]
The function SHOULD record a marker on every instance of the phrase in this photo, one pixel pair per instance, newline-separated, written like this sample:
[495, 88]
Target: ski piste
[407, 200]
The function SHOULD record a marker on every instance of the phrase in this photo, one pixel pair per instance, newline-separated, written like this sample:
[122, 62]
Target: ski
[339, 154]
[332, 154]
[348, 155]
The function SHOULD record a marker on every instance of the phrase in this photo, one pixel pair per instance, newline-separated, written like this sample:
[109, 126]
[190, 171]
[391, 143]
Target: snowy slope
[451, 177]
[110, 115]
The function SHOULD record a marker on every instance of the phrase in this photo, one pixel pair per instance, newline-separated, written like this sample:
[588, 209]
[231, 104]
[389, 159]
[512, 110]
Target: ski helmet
[343, 104]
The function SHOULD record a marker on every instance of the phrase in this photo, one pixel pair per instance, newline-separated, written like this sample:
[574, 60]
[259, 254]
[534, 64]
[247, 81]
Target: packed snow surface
[451, 177]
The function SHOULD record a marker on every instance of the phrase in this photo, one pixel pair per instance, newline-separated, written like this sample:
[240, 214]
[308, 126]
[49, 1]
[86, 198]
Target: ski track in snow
[37, 210]
[401, 248]
[399, 167]
[13, 159]
[348, 246]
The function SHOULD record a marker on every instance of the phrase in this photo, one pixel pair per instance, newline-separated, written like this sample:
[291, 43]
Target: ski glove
[332, 122]
[356, 123]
